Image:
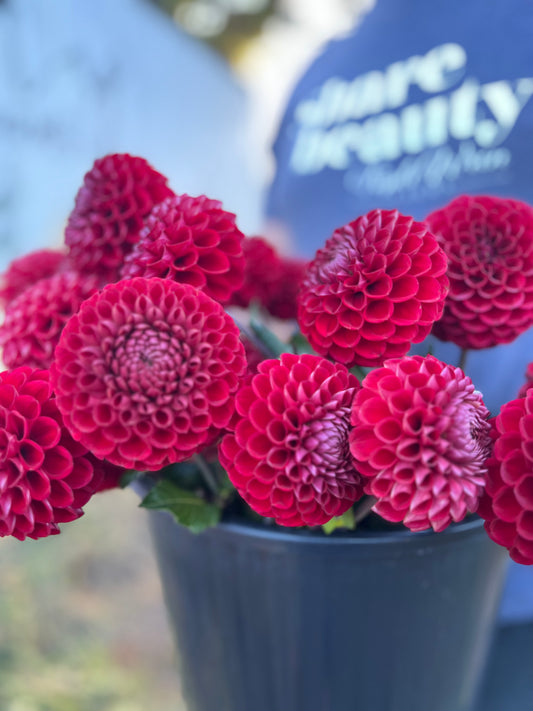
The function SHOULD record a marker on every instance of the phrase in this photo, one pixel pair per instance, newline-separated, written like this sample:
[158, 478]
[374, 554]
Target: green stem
[359, 373]
[257, 342]
[206, 473]
[364, 508]
[462, 359]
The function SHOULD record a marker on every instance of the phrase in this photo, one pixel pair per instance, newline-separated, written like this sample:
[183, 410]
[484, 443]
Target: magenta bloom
[288, 455]
[117, 194]
[282, 300]
[145, 373]
[27, 270]
[376, 287]
[35, 319]
[269, 279]
[421, 436]
[507, 504]
[45, 476]
[191, 240]
[489, 245]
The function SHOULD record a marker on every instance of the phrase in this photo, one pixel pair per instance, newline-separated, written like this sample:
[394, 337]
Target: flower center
[146, 361]
[323, 449]
[486, 246]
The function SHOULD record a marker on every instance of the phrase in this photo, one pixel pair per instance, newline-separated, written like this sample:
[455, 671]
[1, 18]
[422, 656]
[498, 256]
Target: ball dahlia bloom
[507, 504]
[34, 320]
[288, 454]
[117, 194]
[145, 373]
[489, 245]
[421, 437]
[377, 286]
[282, 301]
[27, 270]
[269, 279]
[45, 476]
[191, 240]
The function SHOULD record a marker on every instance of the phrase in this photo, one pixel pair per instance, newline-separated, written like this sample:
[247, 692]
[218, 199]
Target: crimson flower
[507, 504]
[34, 320]
[191, 240]
[45, 476]
[376, 287]
[27, 270]
[145, 373]
[117, 194]
[489, 245]
[421, 436]
[282, 301]
[288, 455]
[107, 475]
[269, 279]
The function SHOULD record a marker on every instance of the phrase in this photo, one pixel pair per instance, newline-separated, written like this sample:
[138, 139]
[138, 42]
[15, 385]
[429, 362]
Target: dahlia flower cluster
[149, 345]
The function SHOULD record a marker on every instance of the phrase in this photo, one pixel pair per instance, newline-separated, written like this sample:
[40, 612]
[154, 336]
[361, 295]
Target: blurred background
[197, 87]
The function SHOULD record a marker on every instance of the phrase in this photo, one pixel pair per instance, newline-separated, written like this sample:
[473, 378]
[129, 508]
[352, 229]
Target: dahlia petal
[525, 525]
[45, 432]
[522, 551]
[38, 485]
[31, 455]
[524, 492]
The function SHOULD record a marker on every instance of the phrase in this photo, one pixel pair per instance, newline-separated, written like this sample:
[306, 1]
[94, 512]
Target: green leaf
[360, 372]
[184, 475]
[300, 344]
[347, 520]
[187, 508]
[270, 342]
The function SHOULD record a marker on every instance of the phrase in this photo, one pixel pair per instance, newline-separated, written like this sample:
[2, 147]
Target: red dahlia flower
[145, 373]
[269, 279]
[261, 264]
[507, 504]
[191, 240]
[282, 301]
[45, 477]
[489, 245]
[117, 194]
[288, 456]
[109, 475]
[376, 287]
[35, 319]
[27, 270]
[420, 434]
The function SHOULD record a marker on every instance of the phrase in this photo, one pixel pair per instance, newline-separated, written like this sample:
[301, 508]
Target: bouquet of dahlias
[150, 347]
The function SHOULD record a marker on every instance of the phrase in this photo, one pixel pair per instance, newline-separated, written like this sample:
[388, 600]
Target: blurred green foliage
[227, 25]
